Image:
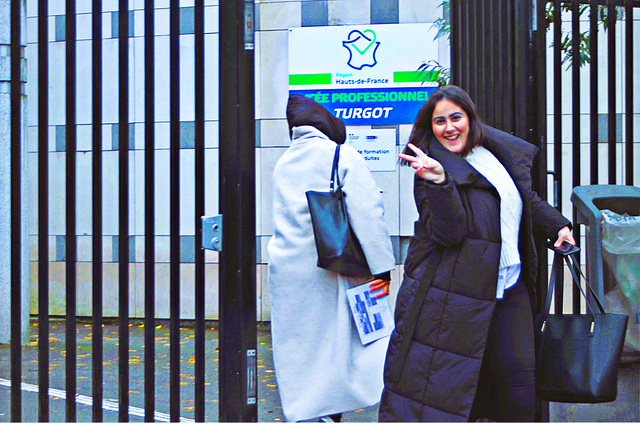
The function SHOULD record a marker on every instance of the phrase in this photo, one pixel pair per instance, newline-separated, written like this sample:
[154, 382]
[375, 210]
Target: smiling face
[450, 125]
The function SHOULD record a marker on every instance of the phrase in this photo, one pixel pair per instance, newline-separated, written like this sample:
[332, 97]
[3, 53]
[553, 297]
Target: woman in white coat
[322, 369]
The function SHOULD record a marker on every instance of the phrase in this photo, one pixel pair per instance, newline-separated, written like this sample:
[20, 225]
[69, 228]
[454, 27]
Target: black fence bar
[123, 221]
[507, 46]
[455, 33]
[97, 347]
[629, 93]
[43, 211]
[238, 334]
[16, 254]
[472, 61]
[557, 104]
[593, 86]
[149, 208]
[611, 71]
[71, 241]
[199, 212]
[174, 220]
[499, 63]
[575, 117]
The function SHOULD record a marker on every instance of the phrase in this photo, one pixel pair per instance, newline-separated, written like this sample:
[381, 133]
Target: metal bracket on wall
[212, 232]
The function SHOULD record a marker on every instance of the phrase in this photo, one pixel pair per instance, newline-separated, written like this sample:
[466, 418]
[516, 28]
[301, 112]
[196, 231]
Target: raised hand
[425, 166]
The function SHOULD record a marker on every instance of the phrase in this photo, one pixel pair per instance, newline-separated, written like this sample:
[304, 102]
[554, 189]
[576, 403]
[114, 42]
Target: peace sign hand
[425, 166]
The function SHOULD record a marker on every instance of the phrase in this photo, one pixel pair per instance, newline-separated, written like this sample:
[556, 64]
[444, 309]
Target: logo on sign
[362, 47]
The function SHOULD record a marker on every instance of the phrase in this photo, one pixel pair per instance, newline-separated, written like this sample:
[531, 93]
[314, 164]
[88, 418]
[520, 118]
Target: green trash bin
[612, 216]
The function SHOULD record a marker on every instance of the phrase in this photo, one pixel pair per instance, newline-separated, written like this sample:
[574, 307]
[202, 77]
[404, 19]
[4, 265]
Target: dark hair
[422, 133]
[304, 111]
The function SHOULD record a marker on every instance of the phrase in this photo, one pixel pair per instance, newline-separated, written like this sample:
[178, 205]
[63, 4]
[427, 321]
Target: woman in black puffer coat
[463, 347]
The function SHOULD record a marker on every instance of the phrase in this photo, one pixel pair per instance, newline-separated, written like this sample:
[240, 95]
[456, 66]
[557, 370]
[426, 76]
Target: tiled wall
[273, 19]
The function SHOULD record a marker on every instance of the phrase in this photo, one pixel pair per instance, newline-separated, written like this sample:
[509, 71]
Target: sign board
[376, 145]
[365, 75]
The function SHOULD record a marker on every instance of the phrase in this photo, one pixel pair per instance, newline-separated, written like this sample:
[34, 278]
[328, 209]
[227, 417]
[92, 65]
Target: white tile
[32, 30]
[83, 25]
[274, 81]
[211, 77]
[274, 133]
[211, 19]
[57, 84]
[161, 188]
[388, 182]
[162, 249]
[162, 82]
[349, 12]
[32, 193]
[187, 77]
[269, 158]
[278, 16]
[211, 275]
[211, 188]
[187, 291]
[162, 134]
[162, 21]
[408, 211]
[84, 191]
[85, 248]
[84, 141]
[187, 192]
[162, 292]
[137, 89]
[110, 198]
[410, 11]
[138, 196]
[107, 249]
[110, 81]
[57, 193]
[211, 134]
[33, 248]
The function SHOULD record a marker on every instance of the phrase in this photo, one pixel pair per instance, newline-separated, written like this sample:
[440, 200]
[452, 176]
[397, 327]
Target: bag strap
[334, 169]
[412, 314]
[556, 274]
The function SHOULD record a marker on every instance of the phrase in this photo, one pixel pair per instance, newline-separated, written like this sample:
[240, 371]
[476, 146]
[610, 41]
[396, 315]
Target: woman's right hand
[425, 166]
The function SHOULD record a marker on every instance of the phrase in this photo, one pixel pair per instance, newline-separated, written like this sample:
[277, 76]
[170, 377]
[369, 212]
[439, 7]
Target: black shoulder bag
[338, 247]
[578, 354]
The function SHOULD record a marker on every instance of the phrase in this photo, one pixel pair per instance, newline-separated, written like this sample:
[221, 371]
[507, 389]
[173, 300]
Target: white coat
[321, 366]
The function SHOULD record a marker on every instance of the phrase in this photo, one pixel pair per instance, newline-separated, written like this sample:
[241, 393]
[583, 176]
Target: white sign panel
[365, 74]
[377, 146]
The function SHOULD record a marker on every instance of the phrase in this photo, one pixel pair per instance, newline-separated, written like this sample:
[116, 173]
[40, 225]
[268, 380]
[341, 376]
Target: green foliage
[566, 43]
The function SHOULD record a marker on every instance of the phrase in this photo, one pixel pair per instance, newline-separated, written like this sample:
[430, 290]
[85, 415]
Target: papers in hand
[373, 317]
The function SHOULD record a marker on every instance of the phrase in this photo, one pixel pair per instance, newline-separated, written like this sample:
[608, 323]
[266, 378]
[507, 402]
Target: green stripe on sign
[415, 76]
[309, 79]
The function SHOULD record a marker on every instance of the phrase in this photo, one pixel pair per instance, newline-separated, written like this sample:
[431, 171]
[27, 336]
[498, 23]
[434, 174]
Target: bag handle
[334, 169]
[556, 274]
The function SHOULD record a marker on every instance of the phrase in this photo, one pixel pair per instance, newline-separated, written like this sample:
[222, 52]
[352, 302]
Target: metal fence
[499, 55]
[234, 16]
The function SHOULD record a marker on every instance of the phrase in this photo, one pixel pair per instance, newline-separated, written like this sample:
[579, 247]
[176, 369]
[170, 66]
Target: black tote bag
[338, 247]
[578, 354]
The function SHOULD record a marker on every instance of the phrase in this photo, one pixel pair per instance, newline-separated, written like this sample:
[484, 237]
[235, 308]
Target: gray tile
[132, 249]
[61, 248]
[187, 20]
[61, 138]
[384, 11]
[115, 249]
[60, 34]
[115, 22]
[187, 134]
[115, 136]
[315, 13]
[187, 249]
[603, 128]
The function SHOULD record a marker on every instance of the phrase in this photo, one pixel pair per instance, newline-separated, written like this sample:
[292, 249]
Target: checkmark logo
[362, 47]
[373, 40]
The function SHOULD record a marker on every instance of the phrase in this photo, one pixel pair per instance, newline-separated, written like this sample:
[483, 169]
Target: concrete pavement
[625, 409]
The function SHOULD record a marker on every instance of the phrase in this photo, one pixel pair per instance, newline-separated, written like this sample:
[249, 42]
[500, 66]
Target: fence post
[6, 144]
[238, 336]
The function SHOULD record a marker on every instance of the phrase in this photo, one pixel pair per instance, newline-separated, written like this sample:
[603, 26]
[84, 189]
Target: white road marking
[110, 405]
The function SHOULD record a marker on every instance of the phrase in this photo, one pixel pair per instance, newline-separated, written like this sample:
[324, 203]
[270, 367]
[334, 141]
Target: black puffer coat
[457, 245]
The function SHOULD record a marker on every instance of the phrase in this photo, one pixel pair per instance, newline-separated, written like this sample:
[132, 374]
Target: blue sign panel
[371, 106]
